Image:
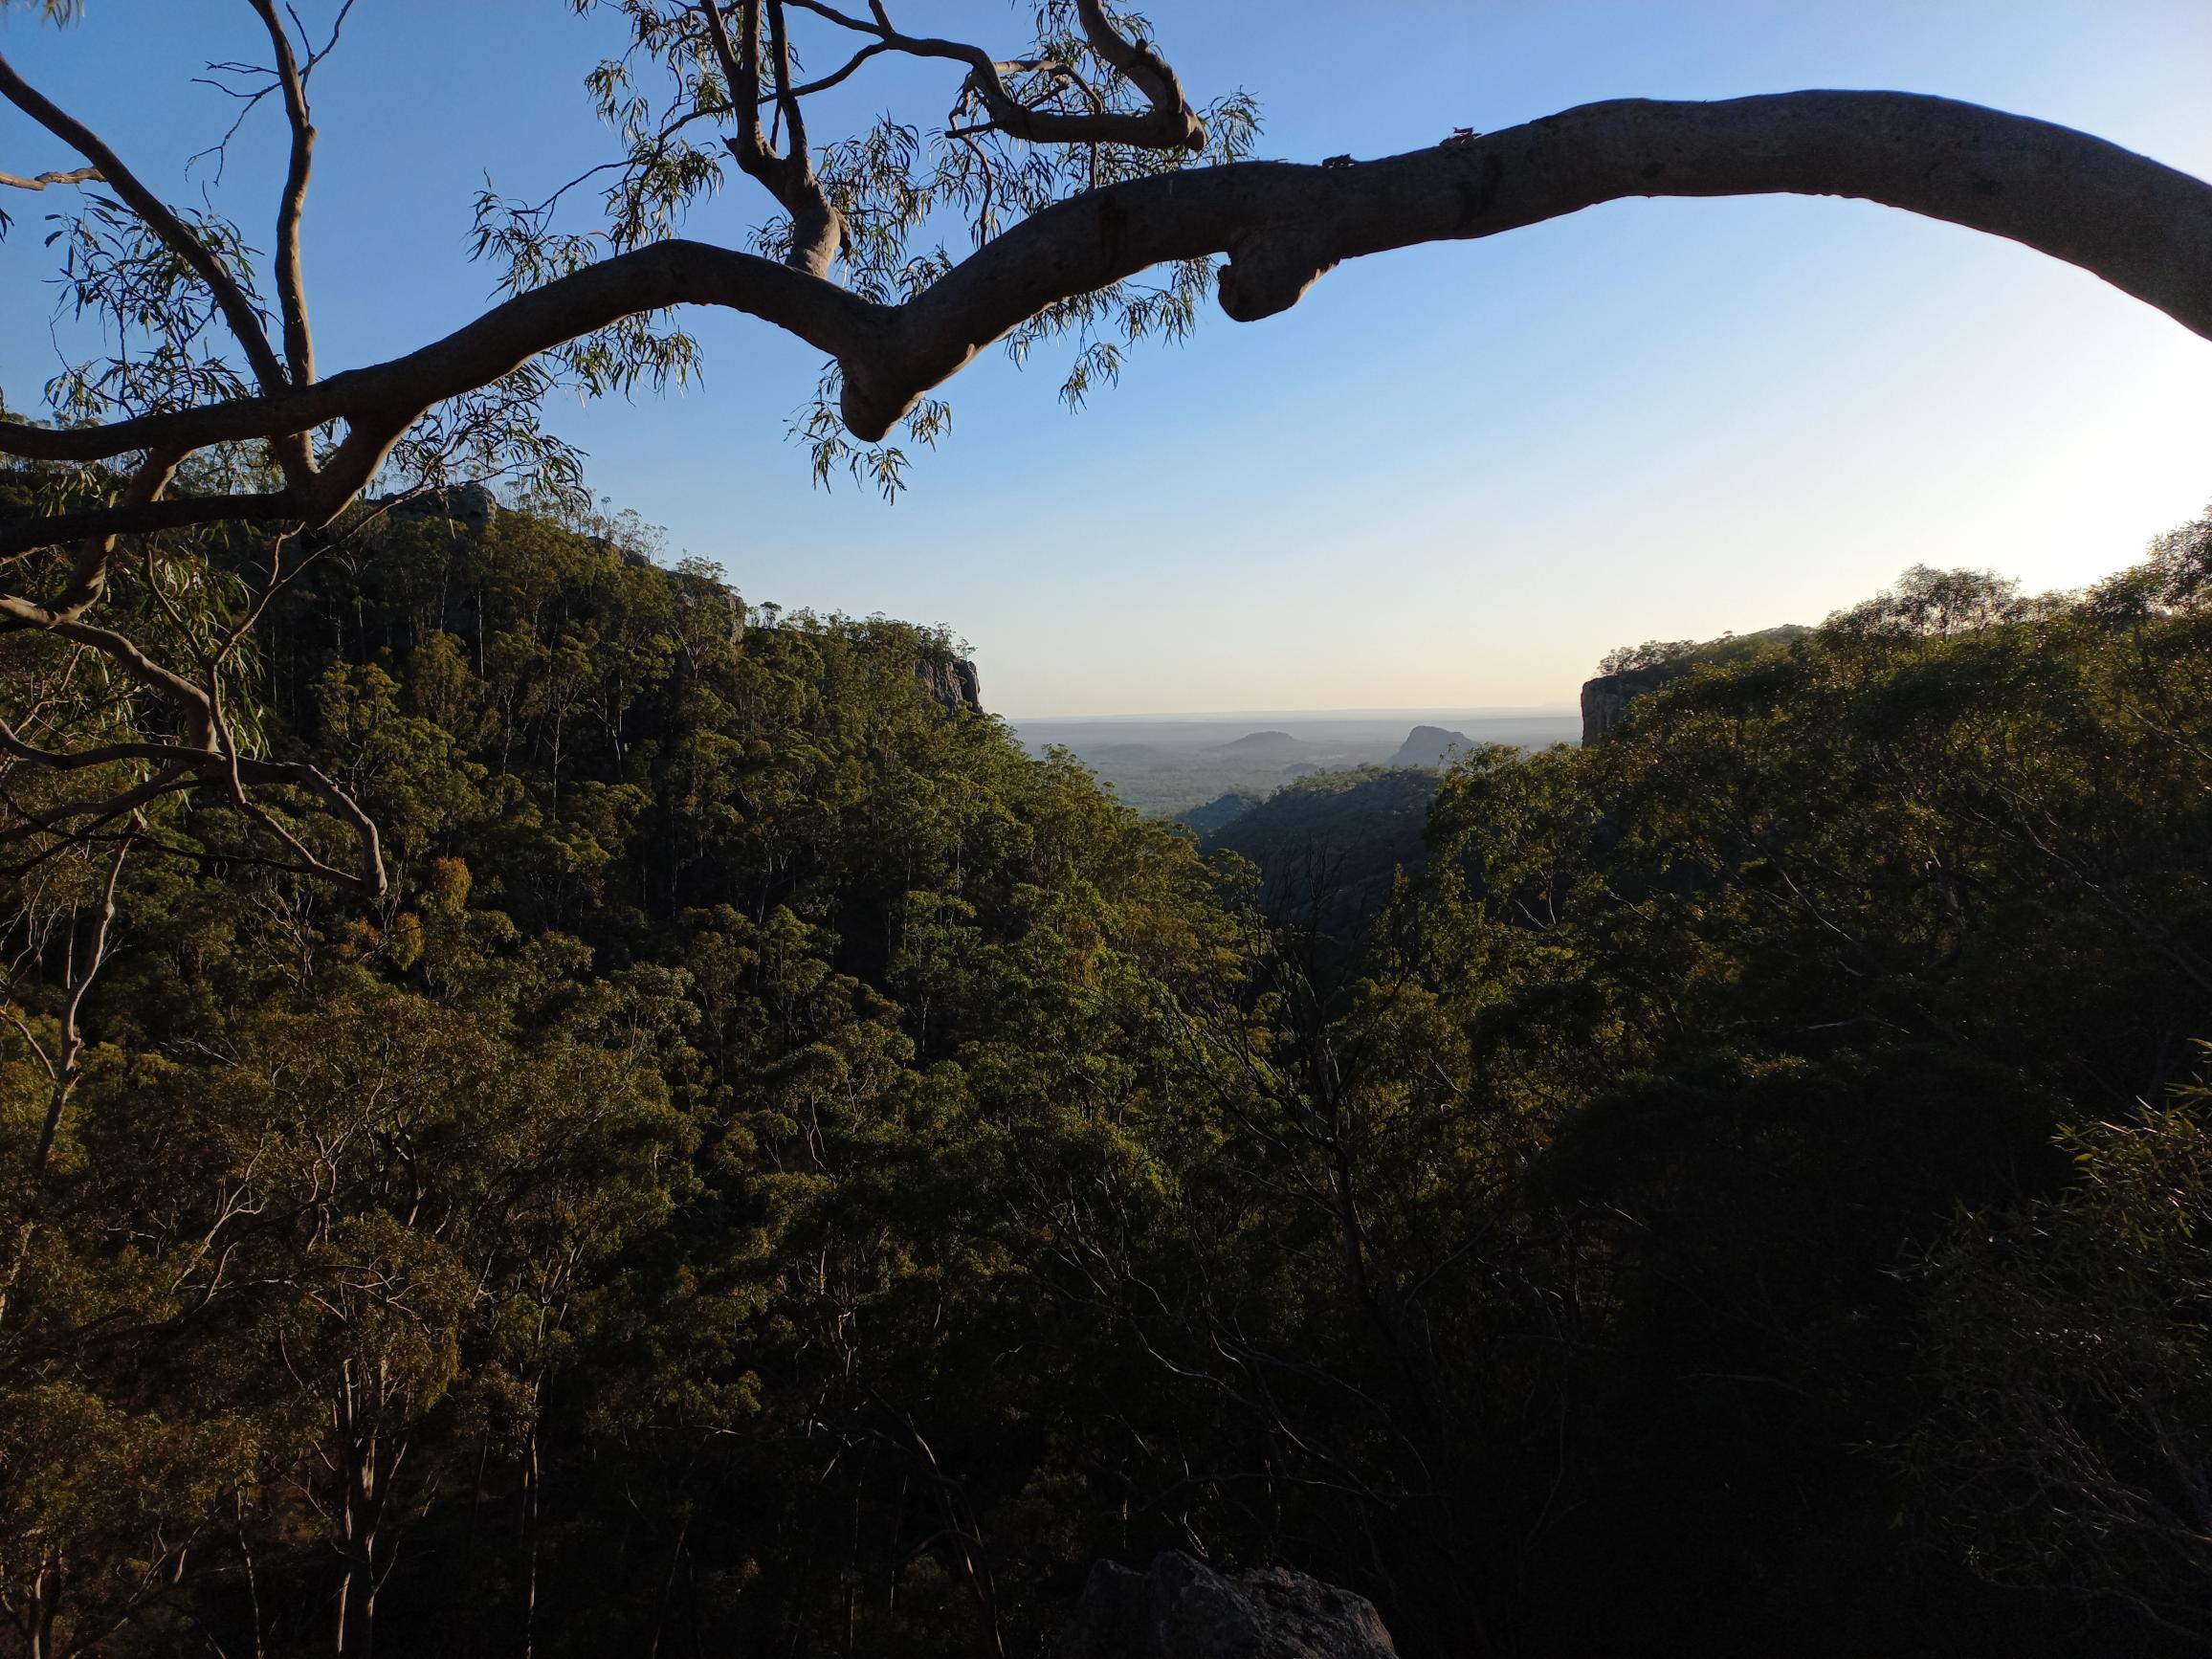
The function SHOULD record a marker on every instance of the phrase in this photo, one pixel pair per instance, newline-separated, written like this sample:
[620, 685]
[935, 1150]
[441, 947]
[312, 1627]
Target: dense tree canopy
[778, 1168]
[543, 1110]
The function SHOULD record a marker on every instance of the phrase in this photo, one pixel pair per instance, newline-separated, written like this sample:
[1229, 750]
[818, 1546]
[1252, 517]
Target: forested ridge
[781, 1171]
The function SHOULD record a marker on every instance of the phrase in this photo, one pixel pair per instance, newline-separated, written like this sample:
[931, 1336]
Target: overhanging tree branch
[390, 397]
[2143, 227]
[187, 767]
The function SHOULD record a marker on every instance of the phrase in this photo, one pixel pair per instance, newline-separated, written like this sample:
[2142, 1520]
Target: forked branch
[1167, 122]
[817, 230]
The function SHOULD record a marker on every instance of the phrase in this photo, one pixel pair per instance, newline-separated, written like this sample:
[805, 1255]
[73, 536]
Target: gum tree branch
[120, 649]
[741, 75]
[1167, 122]
[80, 823]
[788, 109]
[386, 398]
[236, 308]
[844, 73]
[64, 1068]
[39, 181]
[70, 1069]
[144, 518]
[817, 229]
[88, 578]
[1147, 71]
[2143, 227]
[223, 768]
[291, 287]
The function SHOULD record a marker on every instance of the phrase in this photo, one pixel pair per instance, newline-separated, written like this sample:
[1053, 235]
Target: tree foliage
[780, 1167]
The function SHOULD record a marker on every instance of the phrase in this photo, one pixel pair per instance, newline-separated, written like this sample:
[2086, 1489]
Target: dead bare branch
[41, 182]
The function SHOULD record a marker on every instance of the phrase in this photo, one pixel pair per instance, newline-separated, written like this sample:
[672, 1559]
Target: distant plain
[1163, 764]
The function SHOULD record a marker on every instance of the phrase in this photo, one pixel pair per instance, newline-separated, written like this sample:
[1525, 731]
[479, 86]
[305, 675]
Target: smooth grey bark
[2143, 227]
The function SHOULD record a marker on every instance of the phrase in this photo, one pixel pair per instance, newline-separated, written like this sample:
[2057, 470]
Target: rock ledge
[1184, 1609]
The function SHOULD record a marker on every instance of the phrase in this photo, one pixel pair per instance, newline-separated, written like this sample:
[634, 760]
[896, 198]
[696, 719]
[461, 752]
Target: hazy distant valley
[1170, 765]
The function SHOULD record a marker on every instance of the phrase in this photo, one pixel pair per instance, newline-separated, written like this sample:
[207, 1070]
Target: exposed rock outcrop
[1655, 662]
[715, 598]
[1606, 698]
[952, 680]
[1184, 1609]
[636, 558]
[472, 506]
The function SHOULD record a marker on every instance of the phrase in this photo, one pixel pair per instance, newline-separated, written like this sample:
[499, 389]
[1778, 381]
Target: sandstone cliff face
[1606, 698]
[472, 506]
[952, 681]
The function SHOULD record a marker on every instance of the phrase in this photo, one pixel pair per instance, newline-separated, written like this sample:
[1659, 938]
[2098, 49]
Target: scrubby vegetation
[1664, 658]
[785, 1171]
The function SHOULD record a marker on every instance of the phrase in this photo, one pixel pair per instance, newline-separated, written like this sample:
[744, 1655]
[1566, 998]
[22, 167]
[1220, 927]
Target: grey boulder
[1184, 1609]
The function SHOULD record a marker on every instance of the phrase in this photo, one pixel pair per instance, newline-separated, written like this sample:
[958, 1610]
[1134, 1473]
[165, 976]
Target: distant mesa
[1303, 769]
[1429, 746]
[1258, 745]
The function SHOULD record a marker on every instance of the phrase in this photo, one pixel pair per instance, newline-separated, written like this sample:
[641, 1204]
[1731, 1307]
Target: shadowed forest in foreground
[786, 1172]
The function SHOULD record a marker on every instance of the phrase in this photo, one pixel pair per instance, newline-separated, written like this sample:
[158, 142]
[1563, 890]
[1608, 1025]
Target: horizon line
[1487, 711]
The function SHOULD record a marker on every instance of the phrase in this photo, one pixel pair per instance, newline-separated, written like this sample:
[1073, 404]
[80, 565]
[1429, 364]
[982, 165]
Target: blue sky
[1452, 477]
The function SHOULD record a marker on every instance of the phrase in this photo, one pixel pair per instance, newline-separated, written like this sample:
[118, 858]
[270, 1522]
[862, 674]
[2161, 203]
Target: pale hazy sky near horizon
[1452, 476]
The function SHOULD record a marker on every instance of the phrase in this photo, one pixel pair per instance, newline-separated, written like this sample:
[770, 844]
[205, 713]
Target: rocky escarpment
[1606, 698]
[1652, 664]
[1184, 1609]
[952, 680]
[472, 506]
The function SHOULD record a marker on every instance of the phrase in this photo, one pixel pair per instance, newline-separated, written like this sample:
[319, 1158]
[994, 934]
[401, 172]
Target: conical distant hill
[1427, 746]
